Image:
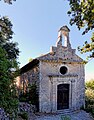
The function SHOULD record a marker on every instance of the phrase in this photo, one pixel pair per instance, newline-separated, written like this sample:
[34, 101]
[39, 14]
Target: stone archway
[62, 96]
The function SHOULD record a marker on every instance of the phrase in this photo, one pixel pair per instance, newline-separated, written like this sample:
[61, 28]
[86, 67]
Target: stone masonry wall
[51, 68]
[30, 77]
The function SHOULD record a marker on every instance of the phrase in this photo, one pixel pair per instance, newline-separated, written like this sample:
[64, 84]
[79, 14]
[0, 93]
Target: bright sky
[36, 24]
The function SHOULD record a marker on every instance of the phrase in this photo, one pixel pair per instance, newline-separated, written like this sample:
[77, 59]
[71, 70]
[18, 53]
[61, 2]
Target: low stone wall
[23, 107]
[29, 109]
[3, 115]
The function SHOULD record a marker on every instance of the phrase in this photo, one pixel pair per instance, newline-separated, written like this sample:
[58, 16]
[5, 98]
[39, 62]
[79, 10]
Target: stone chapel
[59, 76]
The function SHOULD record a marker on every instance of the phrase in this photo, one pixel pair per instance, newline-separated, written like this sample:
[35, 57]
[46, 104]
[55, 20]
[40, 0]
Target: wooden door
[62, 96]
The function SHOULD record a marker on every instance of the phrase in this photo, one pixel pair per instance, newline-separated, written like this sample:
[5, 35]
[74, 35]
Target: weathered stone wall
[30, 77]
[74, 77]
[3, 115]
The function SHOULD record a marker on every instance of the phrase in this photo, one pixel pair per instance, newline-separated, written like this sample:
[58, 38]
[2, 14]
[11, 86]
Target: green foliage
[23, 97]
[90, 84]
[8, 1]
[89, 106]
[65, 117]
[30, 59]
[82, 14]
[31, 96]
[90, 97]
[8, 65]
[23, 115]
[88, 47]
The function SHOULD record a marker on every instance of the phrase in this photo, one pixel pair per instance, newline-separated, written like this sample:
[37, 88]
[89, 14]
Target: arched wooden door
[62, 96]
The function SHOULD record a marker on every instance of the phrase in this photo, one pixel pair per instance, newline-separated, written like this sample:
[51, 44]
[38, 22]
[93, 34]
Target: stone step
[65, 111]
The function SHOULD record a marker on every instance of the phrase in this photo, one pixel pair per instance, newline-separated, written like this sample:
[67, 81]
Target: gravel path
[80, 115]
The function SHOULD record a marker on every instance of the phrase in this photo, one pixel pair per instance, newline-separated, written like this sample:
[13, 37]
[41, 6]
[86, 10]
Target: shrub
[31, 96]
[23, 115]
[23, 97]
[65, 117]
[89, 102]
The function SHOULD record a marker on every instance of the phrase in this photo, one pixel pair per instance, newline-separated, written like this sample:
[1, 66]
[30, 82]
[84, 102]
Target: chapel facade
[59, 76]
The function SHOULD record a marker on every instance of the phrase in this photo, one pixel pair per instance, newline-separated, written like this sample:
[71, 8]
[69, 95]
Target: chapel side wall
[30, 77]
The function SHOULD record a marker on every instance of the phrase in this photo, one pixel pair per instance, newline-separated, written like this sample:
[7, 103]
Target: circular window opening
[63, 70]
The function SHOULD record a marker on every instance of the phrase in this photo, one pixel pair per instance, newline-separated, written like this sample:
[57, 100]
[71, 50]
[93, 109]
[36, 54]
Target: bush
[89, 102]
[23, 98]
[23, 115]
[65, 117]
[31, 96]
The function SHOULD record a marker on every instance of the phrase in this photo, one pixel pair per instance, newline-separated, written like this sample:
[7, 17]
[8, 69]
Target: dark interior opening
[63, 70]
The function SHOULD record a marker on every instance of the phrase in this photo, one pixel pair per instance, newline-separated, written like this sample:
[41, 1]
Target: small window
[63, 70]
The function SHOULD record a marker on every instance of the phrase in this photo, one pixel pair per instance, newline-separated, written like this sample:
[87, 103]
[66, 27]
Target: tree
[90, 96]
[30, 59]
[82, 14]
[9, 1]
[90, 84]
[8, 65]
